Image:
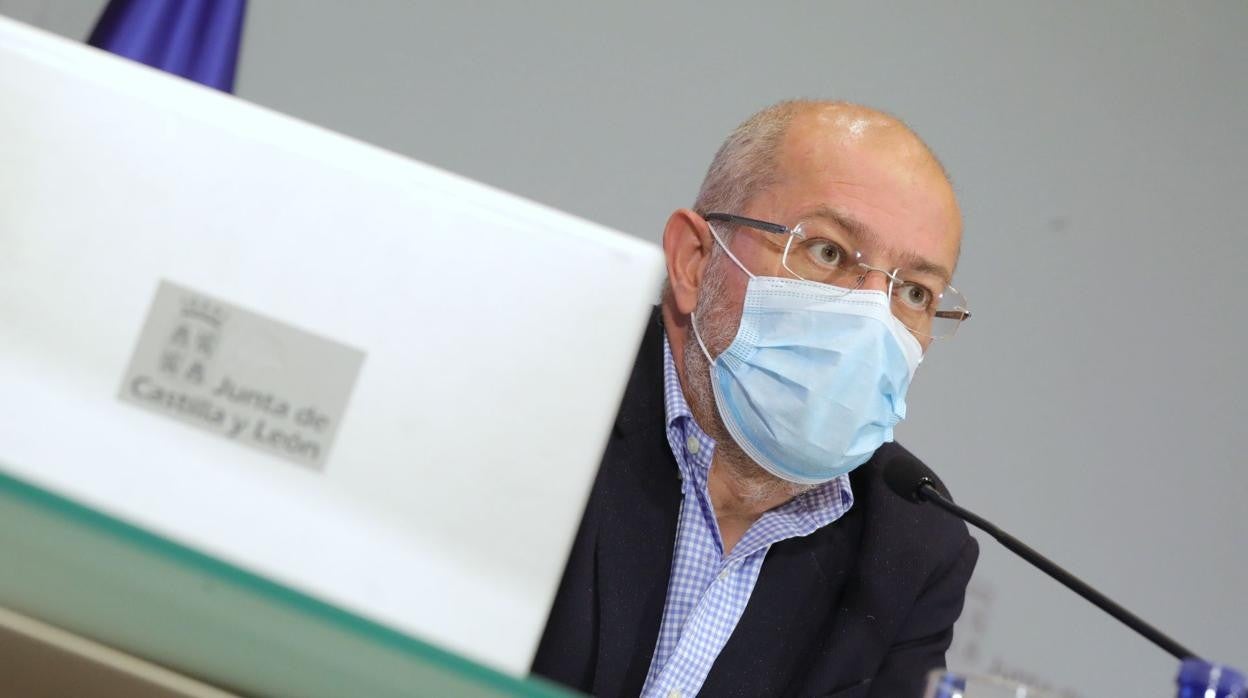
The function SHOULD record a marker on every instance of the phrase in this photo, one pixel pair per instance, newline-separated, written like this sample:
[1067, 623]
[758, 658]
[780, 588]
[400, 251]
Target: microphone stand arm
[928, 492]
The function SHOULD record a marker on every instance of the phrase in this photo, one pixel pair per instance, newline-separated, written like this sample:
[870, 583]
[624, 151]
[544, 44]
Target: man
[739, 539]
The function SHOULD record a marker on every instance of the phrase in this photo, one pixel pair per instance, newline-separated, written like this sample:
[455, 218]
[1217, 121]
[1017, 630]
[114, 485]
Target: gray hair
[744, 165]
[746, 162]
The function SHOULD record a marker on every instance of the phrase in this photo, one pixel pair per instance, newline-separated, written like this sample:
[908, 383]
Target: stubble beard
[717, 323]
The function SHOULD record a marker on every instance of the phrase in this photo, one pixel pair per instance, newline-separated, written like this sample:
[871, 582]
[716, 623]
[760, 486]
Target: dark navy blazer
[862, 607]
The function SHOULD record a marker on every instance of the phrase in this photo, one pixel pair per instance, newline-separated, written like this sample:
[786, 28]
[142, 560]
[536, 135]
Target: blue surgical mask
[816, 378]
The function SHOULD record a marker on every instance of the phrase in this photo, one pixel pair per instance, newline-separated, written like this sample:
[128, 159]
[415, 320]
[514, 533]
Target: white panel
[498, 335]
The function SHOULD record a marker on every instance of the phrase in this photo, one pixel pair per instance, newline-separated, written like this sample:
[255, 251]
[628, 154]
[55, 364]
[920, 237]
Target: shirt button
[692, 444]
[673, 693]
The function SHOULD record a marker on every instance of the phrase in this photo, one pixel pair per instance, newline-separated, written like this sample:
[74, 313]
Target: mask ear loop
[693, 318]
[693, 322]
[728, 252]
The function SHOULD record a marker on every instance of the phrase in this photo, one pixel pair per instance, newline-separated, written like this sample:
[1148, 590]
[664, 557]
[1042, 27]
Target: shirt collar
[692, 447]
[674, 402]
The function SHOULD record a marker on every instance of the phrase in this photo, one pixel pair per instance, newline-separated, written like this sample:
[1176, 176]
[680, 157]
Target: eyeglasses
[923, 302]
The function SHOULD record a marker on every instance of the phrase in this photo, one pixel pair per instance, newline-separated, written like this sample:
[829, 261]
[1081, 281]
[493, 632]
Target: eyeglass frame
[961, 315]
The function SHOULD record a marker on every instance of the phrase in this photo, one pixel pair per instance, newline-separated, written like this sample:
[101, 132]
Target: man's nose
[875, 280]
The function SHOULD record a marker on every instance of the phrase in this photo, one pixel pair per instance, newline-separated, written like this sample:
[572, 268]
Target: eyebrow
[862, 234]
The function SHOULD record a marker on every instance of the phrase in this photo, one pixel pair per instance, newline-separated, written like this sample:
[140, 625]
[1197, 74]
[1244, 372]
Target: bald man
[739, 539]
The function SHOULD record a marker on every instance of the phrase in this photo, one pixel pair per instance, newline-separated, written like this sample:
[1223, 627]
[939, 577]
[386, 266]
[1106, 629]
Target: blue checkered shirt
[708, 591]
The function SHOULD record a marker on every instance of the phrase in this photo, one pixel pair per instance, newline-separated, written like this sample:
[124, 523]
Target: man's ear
[688, 244]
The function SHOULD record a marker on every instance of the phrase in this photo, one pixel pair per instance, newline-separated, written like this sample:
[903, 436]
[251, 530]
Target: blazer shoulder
[899, 525]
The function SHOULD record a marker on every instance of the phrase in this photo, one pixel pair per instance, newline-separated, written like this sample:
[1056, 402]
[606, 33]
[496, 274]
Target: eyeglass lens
[922, 302]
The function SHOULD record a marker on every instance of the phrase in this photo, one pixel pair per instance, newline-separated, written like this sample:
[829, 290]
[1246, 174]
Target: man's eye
[914, 296]
[827, 253]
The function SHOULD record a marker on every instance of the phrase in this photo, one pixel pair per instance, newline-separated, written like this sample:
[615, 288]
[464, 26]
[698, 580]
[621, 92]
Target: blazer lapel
[786, 620]
[639, 489]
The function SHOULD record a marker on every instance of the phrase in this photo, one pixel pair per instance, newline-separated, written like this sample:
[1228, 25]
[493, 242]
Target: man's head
[846, 168]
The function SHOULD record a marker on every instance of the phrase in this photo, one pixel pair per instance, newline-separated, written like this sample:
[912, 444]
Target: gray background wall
[1093, 406]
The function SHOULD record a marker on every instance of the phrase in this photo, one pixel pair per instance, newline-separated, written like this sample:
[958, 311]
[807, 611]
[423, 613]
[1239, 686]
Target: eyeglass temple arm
[748, 222]
[961, 315]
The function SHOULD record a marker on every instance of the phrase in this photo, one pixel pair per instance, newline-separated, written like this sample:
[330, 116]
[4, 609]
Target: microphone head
[905, 477]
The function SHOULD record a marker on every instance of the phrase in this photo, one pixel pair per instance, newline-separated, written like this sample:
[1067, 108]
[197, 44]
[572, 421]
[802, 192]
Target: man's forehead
[831, 134]
[869, 175]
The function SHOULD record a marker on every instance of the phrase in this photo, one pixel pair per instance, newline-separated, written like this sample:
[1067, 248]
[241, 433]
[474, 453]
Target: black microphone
[915, 482]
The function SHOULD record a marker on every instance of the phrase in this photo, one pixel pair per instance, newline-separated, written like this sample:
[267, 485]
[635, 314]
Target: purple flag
[197, 39]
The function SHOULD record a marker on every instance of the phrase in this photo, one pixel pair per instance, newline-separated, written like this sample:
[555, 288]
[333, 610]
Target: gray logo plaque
[243, 376]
